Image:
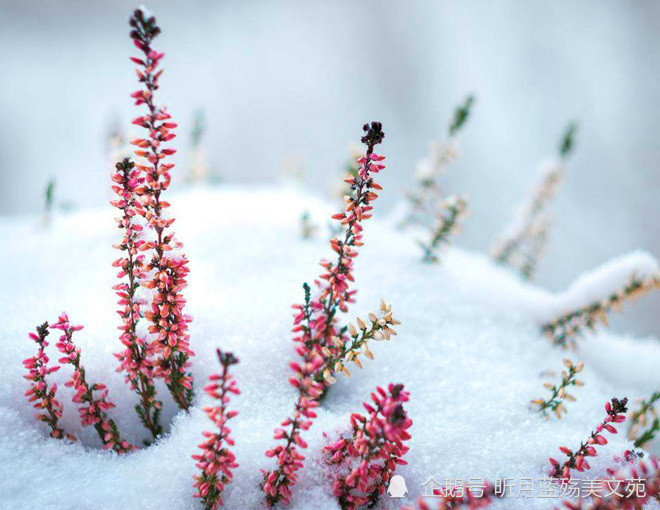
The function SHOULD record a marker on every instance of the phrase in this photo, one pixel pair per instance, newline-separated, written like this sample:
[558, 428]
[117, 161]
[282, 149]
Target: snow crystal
[469, 350]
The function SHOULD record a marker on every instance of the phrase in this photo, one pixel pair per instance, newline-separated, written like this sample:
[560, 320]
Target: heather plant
[167, 267]
[523, 243]
[381, 328]
[365, 459]
[40, 392]
[217, 461]
[317, 333]
[644, 423]
[564, 329]
[615, 413]
[448, 222]
[92, 399]
[136, 359]
[49, 203]
[422, 203]
[627, 489]
[558, 392]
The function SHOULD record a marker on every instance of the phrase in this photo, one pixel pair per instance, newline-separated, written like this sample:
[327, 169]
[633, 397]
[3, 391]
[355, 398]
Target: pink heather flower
[168, 272]
[615, 410]
[628, 489]
[136, 357]
[39, 392]
[335, 295]
[278, 482]
[367, 458]
[466, 499]
[93, 406]
[315, 323]
[216, 461]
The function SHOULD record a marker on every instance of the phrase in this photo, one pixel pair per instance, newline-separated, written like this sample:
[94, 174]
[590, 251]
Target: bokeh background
[291, 83]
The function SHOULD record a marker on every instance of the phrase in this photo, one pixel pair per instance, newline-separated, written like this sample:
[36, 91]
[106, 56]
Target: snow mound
[469, 350]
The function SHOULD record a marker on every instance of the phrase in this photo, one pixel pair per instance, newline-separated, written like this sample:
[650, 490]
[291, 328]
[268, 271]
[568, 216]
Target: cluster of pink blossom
[216, 461]
[39, 392]
[316, 332]
[366, 460]
[169, 323]
[629, 489]
[467, 499]
[615, 410]
[278, 482]
[92, 408]
[136, 359]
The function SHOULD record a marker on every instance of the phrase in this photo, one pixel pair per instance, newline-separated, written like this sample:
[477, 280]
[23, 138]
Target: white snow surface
[469, 351]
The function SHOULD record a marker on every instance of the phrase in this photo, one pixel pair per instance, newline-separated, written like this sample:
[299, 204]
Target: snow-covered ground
[469, 351]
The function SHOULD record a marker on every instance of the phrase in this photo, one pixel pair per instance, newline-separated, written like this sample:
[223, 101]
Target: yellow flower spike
[357, 361]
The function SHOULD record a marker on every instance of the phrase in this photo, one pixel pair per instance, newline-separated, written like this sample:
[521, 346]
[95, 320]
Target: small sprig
[461, 115]
[568, 141]
[448, 222]
[307, 226]
[615, 410]
[558, 393]
[523, 243]
[644, 423]
[217, 461]
[423, 201]
[381, 328]
[366, 459]
[629, 489]
[136, 357]
[93, 406]
[40, 393]
[564, 330]
[278, 481]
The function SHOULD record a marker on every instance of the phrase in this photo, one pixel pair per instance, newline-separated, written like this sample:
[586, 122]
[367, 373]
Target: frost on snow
[469, 351]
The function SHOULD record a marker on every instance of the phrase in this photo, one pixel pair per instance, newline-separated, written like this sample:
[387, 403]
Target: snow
[469, 350]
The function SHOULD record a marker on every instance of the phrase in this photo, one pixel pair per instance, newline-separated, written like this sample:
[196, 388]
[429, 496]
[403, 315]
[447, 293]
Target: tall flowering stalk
[615, 410]
[524, 242]
[558, 392]
[628, 489]
[451, 213]
[564, 329]
[91, 398]
[217, 461]
[381, 328]
[136, 358]
[40, 393]
[334, 293]
[367, 458]
[644, 423]
[168, 271]
[317, 333]
[424, 200]
[278, 482]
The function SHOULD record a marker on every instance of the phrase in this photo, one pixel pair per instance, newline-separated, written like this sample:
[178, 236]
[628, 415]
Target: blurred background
[288, 84]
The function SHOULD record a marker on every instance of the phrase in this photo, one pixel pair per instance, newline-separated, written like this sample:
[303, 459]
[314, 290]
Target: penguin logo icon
[397, 487]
